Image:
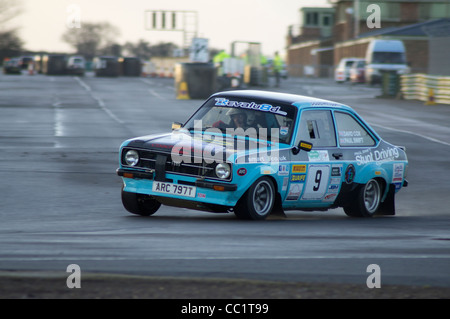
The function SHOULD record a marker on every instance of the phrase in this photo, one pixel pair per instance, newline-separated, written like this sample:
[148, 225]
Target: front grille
[197, 166]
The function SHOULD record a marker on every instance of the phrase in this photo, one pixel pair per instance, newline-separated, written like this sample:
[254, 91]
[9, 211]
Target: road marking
[412, 133]
[83, 84]
[100, 102]
[154, 93]
[95, 258]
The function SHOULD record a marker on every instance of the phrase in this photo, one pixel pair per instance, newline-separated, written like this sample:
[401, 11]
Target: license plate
[174, 189]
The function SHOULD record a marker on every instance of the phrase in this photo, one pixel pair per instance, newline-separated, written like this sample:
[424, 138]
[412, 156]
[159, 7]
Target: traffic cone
[430, 100]
[182, 93]
[30, 69]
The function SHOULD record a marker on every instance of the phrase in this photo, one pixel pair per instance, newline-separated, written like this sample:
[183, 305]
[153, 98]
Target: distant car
[342, 72]
[24, 61]
[357, 74]
[76, 65]
[293, 153]
[12, 66]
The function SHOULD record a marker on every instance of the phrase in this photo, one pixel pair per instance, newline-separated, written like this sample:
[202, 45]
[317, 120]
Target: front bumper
[212, 192]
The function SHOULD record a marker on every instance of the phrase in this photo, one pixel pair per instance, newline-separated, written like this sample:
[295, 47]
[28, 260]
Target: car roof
[300, 101]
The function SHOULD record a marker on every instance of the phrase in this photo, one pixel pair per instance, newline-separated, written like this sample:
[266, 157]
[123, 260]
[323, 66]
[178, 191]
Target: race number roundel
[317, 181]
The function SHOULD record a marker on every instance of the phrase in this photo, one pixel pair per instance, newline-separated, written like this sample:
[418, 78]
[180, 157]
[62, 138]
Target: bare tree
[91, 38]
[142, 49]
[10, 42]
[9, 9]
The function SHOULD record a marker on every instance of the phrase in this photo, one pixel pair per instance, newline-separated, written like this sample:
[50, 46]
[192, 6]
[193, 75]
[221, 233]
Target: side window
[317, 128]
[350, 132]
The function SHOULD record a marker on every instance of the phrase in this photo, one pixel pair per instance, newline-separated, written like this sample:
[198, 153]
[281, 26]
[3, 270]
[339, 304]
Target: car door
[311, 172]
[356, 144]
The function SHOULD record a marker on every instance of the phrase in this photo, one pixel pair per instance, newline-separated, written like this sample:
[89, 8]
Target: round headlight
[223, 170]
[131, 157]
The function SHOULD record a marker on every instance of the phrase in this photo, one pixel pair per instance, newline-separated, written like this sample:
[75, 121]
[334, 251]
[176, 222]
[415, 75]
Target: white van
[382, 56]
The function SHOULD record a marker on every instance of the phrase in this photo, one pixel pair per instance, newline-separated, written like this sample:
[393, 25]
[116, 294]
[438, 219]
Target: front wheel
[368, 199]
[258, 201]
[139, 204]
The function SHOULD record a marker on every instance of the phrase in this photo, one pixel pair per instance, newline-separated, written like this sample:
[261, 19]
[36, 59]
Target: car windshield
[389, 57]
[349, 63]
[270, 121]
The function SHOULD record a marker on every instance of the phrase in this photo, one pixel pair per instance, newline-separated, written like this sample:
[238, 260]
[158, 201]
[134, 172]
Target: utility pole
[356, 18]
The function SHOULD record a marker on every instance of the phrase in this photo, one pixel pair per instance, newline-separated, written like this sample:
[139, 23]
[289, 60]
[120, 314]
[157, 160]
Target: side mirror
[176, 125]
[302, 145]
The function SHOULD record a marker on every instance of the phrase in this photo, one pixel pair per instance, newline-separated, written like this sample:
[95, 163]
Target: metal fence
[310, 70]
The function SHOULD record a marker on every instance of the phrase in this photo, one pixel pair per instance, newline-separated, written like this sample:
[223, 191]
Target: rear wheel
[139, 204]
[368, 199]
[258, 201]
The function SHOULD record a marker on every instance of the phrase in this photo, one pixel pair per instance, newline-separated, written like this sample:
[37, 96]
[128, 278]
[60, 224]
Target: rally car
[255, 153]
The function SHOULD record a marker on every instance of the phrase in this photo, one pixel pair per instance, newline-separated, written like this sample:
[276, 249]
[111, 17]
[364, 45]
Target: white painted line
[87, 258]
[412, 133]
[100, 102]
[83, 84]
[154, 93]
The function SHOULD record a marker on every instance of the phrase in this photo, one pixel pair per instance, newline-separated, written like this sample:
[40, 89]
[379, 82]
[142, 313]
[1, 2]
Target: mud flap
[388, 206]
[277, 210]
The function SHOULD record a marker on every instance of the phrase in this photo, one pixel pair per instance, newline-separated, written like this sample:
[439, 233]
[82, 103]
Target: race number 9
[317, 181]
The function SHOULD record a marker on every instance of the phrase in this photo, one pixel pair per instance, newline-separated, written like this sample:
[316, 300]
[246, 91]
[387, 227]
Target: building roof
[438, 27]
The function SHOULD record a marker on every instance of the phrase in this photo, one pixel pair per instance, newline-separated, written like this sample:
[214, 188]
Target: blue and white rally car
[255, 153]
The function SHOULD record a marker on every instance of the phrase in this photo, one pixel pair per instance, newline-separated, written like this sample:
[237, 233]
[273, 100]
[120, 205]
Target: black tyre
[139, 204]
[367, 202]
[258, 201]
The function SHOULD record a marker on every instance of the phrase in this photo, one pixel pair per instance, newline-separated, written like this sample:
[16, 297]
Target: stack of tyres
[200, 78]
[54, 64]
[390, 82]
[107, 66]
[131, 67]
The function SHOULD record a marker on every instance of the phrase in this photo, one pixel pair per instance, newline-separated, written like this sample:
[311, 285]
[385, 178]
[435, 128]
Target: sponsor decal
[329, 197]
[283, 170]
[380, 155]
[298, 168]
[318, 156]
[333, 188]
[305, 145]
[350, 174]
[267, 170]
[298, 178]
[295, 190]
[336, 170]
[250, 105]
[397, 175]
[285, 183]
[242, 171]
[335, 180]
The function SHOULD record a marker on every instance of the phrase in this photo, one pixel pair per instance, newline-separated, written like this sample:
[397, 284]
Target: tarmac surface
[61, 204]
[39, 285]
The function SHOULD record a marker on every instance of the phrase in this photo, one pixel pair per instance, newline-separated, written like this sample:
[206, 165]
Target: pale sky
[220, 21]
